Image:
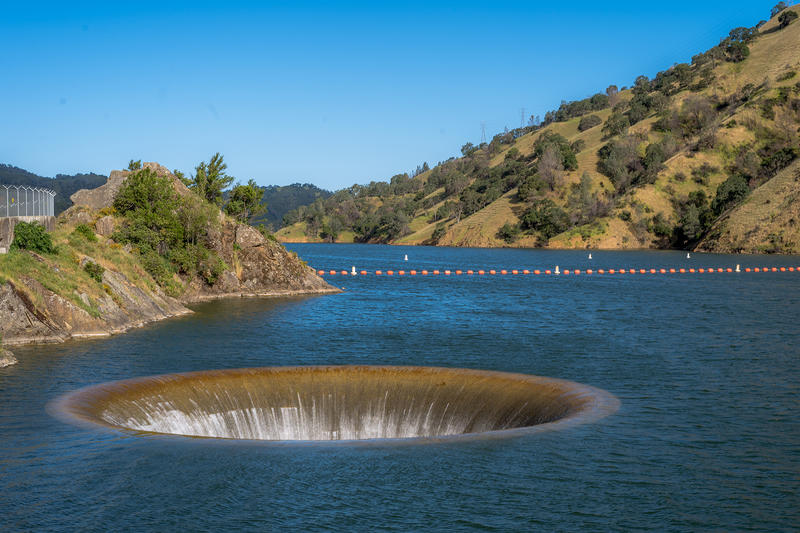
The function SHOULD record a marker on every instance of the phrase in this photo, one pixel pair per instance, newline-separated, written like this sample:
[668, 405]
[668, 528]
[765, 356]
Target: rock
[105, 226]
[248, 236]
[7, 358]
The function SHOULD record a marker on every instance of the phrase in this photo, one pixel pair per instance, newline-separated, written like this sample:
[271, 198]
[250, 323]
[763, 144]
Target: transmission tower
[483, 132]
[522, 118]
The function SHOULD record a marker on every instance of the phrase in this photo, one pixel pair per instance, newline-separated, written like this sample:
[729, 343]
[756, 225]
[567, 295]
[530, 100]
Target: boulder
[7, 358]
[105, 226]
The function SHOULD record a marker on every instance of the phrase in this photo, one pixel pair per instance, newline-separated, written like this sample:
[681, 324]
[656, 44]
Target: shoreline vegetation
[139, 249]
[703, 156]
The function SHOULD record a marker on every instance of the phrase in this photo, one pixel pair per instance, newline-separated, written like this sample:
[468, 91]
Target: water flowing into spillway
[337, 403]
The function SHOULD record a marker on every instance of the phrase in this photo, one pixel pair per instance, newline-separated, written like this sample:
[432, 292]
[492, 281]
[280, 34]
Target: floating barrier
[566, 272]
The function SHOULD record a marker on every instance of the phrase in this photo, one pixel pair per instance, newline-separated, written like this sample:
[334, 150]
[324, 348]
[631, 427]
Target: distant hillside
[280, 199]
[685, 159]
[64, 185]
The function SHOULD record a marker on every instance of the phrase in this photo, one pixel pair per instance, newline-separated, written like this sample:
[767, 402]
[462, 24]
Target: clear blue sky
[330, 93]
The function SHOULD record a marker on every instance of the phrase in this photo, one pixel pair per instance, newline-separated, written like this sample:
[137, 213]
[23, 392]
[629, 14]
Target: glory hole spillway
[333, 403]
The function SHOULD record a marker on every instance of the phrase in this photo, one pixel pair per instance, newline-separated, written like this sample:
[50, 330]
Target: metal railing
[22, 201]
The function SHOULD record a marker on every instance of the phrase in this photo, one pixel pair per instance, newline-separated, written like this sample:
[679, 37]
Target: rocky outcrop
[31, 313]
[258, 266]
[7, 358]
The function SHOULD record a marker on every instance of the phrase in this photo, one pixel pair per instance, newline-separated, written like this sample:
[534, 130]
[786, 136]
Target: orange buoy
[492, 272]
[378, 272]
[458, 272]
[515, 271]
[333, 272]
[413, 272]
[576, 271]
[389, 273]
[671, 270]
[791, 269]
[601, 271]
[401, 272]
[652, 271]
[481, 272]
[728, 270]
[756, 269]
[547, 272]
[504, 272]
[566, 272]
[363, 272]
[642, 271]
[424, 272]
[783, 269]
[526, 271]
[537, 272]
[662, 271]
[611, 271]
[691, 270]
[774, 269]
[747, 269]
[435, 272]
[470, 272]
[621, 270]
[589, 271]
[683, 271]
[344, 272]
[446, 272]
[320, 272]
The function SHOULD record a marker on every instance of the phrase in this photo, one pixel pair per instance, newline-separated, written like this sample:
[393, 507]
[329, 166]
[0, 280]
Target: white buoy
[590, 256]
[405, 258]
[353, 272]
[557, 271]
[688, 256]
[737, 268]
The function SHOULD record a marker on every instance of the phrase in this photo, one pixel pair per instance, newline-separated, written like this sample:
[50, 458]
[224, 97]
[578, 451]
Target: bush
[94, 270]
[588, 122]
[508, 232]
[730, 192]
[786, 18]
[32, 236]
[86, 232]
[789, 74]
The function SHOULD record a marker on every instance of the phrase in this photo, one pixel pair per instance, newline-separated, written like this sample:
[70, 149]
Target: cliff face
[52, 298]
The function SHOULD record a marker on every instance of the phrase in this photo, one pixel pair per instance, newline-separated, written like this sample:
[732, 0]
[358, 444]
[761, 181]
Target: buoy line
[558, 272]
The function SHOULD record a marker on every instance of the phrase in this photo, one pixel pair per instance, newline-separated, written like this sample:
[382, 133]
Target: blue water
[706, 368]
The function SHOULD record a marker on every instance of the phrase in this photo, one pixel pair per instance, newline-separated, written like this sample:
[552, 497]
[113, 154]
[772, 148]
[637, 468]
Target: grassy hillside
[685, 158]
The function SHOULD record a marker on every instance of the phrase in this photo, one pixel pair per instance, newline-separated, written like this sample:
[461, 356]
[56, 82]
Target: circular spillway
[331, 403]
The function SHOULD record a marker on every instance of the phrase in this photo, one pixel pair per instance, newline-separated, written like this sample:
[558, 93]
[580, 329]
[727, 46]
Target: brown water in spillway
[338, 403]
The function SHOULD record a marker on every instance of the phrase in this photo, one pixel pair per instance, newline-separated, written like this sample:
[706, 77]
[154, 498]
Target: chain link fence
[22, 201]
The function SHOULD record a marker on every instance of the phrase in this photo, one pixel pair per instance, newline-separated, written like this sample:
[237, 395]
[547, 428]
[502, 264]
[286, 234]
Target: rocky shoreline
[30, 312]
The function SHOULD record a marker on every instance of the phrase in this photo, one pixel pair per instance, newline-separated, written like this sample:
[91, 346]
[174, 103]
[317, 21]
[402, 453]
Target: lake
[705, 367]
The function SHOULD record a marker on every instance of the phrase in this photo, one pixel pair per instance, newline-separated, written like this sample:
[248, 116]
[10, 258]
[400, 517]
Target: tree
[738, 51]
[210, 179]
[135, 165]
[588, 122]
[545, 217]
[780, 6]
[550, 167]
[244, 202]
[616, 124]
[729, 193]
[786, 18]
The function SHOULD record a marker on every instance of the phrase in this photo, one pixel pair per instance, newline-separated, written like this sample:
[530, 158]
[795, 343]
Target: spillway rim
[601, 404]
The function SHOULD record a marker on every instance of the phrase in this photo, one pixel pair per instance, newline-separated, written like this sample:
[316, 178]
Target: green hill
[64, 185]
[687, 158]
[280, 199]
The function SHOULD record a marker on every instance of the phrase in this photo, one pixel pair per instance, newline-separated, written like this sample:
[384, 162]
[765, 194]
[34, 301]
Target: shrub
[789, 74]
[730, 192]
[86, 232]
[94, 270]
[32, 236]
[588, 122]
[508, 232]
[786, 18]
